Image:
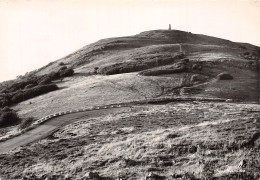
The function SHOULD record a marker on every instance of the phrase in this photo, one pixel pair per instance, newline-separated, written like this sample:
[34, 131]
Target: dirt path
[49, 127]
[55, 123]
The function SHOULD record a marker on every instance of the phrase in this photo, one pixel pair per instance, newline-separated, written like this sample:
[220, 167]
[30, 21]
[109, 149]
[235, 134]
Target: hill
[151, 136]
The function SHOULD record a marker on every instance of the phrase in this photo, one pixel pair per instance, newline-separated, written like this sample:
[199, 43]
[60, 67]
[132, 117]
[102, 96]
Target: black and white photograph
[129, 89]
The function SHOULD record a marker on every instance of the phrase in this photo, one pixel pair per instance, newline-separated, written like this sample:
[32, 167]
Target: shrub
[25, 123]
[44, 81]
[9, 118]
[66, 73]
[163, 71]
[242, 47]
[54, 75]
[186, 60]
[18, 97]
[195, 66]
[6, 109]
[6, 101]
[20, 84]
[175, 68]
[224, 76]
[246, 53]
[63, 68]
[61, 63]
[33, 92]
[96, 70]
[135, 66]
[29, 86]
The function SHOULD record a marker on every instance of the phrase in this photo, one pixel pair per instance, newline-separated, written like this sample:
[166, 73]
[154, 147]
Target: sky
[36, 32]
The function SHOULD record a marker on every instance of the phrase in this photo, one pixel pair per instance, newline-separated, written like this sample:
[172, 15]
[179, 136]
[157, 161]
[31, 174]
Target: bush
[96, 70]
[63, 68]
[26, 123]
[33, 92]
[242, 47]
[135, 66]
[9, 118]
[161, 72]
[18, 97]
[29, 86]
[224, 76]
[66, 73]
[6, 109]
[61, 63]
[186, 60]
[175, 68]
[44, 81]
[195, 66]
[5, 101]
[21, 84]
[53, 75]
[246, 53]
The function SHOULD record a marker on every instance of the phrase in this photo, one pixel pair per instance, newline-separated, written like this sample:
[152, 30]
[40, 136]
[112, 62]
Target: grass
[152, 140]
[178, 140]
[89, 91]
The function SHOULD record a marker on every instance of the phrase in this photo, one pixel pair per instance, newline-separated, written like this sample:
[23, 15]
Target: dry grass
[201, 140]
[79, 92]
[176, 140]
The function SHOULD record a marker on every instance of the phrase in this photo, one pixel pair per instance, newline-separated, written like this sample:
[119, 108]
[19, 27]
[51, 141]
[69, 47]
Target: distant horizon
[35, 33]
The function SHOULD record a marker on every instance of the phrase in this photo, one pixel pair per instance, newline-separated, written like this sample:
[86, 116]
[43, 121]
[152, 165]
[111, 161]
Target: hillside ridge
[91, 52]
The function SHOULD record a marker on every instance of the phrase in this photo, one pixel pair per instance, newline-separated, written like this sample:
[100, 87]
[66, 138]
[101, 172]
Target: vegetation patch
[224, 76]
[25, 123]
[171, 69]
[8, 117]
[33, 92]
[139, 65]
[22, 89]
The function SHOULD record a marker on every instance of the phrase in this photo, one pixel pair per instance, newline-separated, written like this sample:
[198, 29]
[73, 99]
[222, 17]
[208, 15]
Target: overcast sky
[36, 32]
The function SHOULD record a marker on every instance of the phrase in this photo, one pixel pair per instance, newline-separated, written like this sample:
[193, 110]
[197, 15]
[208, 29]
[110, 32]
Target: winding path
[52, 123]
[49, 127]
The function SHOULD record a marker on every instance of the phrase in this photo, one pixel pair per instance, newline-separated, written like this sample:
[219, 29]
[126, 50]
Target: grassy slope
[143, 47]
[160, 43]
[199, 140]
[117, 49]
[83, 91]
[79, 92]
[128, 130]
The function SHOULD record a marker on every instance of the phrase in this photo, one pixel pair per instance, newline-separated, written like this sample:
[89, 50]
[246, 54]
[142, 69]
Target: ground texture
[175, 140]
[185, 140]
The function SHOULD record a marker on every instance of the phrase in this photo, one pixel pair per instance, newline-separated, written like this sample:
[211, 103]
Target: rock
[195, 66]
[242, 163]
[153, 176]
[224, 76]
[92, 175]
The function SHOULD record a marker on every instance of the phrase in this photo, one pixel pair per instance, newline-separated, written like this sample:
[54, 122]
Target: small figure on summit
[170, 28]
